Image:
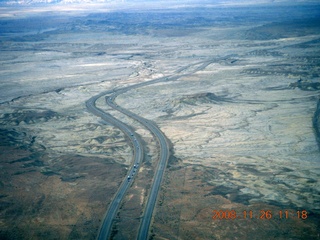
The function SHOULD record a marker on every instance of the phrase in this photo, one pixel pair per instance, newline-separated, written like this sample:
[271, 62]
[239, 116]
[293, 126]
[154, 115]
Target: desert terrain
[240, 108]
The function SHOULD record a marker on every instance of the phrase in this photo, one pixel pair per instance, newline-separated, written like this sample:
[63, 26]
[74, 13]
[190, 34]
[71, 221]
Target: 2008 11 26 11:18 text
[263, 214]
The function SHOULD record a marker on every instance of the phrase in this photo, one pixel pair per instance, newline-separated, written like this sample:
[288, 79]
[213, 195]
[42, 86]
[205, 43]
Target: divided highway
[106, 227]
[164, 156]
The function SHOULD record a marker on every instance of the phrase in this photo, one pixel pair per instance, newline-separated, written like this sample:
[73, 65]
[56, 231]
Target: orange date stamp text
[262, 214]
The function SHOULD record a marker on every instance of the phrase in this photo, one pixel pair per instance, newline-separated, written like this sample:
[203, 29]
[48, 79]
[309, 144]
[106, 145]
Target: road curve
[106, 227]
[163, 159]
[162, 140]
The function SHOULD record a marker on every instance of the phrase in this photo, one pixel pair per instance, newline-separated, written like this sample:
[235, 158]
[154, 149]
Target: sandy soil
[241, 130]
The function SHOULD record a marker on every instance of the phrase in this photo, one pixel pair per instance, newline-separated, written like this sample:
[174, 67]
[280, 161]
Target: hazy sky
[214, 2]
[8, 8]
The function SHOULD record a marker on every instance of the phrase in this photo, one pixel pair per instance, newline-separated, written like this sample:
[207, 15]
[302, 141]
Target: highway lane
[106, 227]
[163, 159]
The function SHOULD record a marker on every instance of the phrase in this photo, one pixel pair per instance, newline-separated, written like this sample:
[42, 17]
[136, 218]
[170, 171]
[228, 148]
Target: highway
[164, 156]
[106, 227]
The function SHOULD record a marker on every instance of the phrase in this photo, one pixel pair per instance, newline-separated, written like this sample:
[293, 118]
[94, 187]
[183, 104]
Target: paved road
[106, 227]
[164, 156]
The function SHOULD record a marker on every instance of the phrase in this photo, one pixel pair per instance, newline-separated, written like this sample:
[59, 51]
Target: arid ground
[241, 117]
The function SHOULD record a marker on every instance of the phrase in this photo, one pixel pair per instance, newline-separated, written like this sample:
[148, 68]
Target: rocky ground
[241, 118]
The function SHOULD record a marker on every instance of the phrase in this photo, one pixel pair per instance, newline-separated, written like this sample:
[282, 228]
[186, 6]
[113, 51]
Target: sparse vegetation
[239, 126]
